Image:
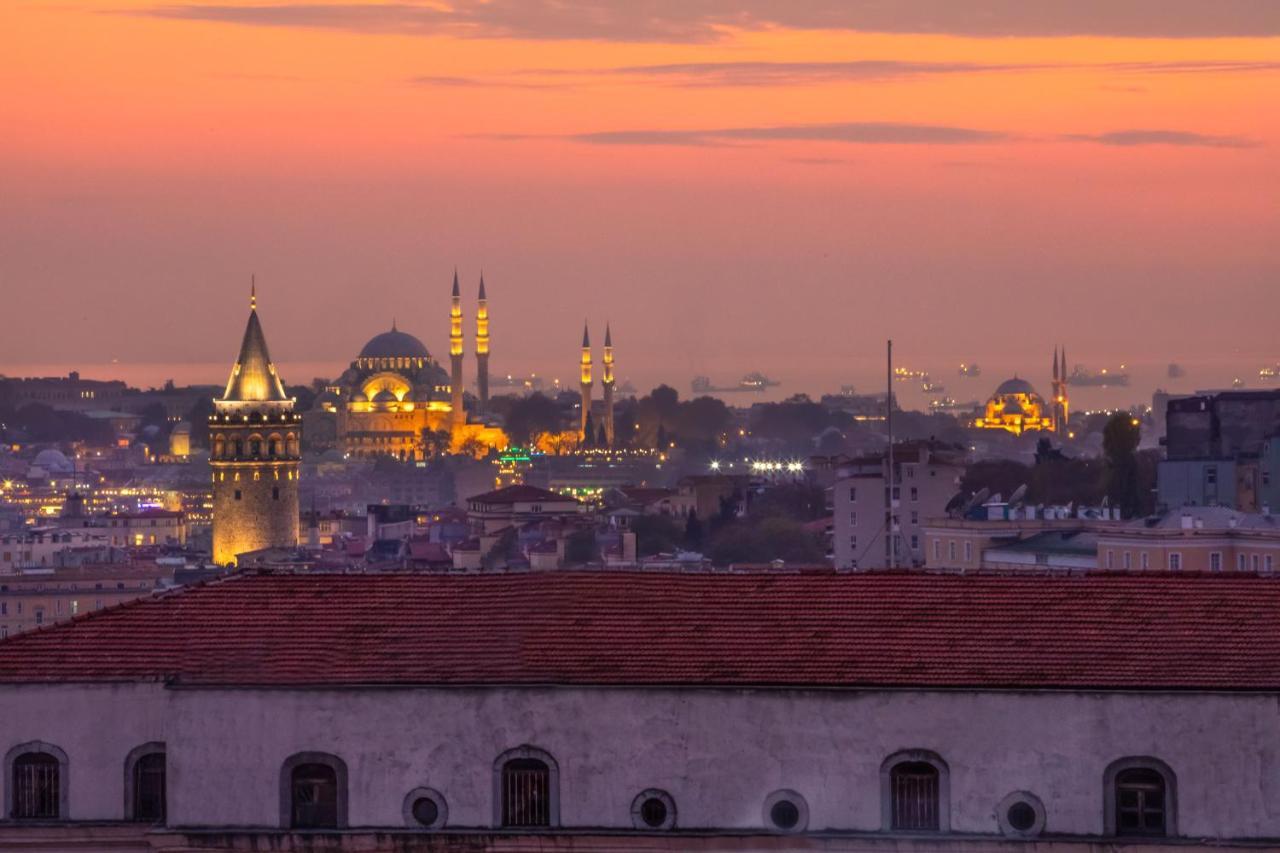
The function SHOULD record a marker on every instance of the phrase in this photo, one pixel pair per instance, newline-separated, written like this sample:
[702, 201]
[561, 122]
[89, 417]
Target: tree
[531, 416]
[693, 532]
[763, 541]
[435, 442]
[1120, 439]
[580, 547]
[656, 534]
[797, 501]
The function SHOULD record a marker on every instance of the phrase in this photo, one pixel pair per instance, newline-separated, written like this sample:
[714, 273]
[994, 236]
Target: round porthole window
[786, 811]
[653, 809]
[1021, 815]
[425, 808]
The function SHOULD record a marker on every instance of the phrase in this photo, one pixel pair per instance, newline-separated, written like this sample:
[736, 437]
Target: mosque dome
[1013, 407]
[1015, 386]
[359, 397]
[384, 396]
[53, 461]
[394, 344]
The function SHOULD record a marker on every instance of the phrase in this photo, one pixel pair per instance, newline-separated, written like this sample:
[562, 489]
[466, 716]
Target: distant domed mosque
[396, 397]
[1016, 407]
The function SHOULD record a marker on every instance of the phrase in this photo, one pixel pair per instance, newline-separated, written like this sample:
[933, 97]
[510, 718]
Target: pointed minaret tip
[253, 292]
[393, 324]
[586, 336]
[482, 296]
[456, 291]
[608, 335]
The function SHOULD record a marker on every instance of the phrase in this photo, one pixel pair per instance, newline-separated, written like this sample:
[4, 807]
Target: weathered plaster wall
[718, 753]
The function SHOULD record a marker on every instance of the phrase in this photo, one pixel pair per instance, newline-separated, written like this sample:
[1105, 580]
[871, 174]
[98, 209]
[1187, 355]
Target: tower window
[275, 493]
[237, 494]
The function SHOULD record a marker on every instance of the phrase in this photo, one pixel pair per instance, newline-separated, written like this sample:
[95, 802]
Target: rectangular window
[237, 494]
[915, 542]
[526, 793]
[951, 550]
[1175, 562]
[1267, 563]
[1241, 562]
[915, 517]
[937, 550]
[1254, 562]
[1215, 561]
[1127, 561]
[853, 493]
[1146, 561]
[915, 493]
[275, 493]
[968, 552]
[1111, 555]
[1211, 475]
[853, 518]
[853, 543]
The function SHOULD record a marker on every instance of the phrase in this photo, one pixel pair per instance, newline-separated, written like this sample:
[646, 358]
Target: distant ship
[928, 386]
[906, 374]
[947, 404]
[970, 370]
[753, 381]
[1270, 372]
[1087, 378]
[533, 382]
[1176, 371]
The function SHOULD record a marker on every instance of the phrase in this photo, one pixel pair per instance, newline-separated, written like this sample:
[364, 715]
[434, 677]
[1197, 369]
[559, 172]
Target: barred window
[1140, 802]
[526, 793]
[914, 792]
[315, 797]
[37, 780]
[148, 778]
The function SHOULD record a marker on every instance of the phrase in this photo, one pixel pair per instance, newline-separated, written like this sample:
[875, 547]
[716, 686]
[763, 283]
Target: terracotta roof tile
[595, 628]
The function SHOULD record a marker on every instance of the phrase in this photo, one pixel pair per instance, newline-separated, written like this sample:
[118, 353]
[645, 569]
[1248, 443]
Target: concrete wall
[718, 753]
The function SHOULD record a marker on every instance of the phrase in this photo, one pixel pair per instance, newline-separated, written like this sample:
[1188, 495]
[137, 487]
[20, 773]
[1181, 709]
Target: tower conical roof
[253, 376]
[456, 291]
[586, 336]
[482, 296]
[608, 336]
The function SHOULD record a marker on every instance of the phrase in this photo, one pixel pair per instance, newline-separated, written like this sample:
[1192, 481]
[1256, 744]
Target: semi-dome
[384, 396]
[394, 344]
[1015, 386]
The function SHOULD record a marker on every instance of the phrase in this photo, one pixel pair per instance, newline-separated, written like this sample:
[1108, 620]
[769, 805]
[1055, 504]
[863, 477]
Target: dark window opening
[426, 811]
[785, 814]
[1140, 802]
[149, 788]
[36, 787]
[1021, 816]
[237, 494]
[653, 812]
[526, 793]
[914, 792]
[275, 493]
[315, 797]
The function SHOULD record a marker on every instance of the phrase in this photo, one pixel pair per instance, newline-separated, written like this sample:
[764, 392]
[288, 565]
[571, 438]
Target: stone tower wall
[265, 513]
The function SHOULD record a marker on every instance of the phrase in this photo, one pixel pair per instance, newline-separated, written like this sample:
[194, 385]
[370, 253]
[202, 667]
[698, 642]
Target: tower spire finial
[253, 292]
[586, 335]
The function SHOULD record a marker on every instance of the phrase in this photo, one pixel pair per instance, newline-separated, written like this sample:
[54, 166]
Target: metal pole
[888, 478]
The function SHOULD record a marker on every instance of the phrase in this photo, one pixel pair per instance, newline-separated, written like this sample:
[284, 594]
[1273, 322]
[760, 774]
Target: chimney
[1187, 521]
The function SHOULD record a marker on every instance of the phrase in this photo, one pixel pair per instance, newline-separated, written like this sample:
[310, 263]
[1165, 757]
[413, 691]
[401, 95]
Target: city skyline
[741, 184]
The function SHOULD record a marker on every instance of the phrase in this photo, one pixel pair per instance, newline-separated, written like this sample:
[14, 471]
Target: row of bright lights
[761, 465]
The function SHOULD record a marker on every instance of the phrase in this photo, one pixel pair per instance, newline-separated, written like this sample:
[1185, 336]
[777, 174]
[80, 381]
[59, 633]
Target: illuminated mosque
[1016, 407]
[396, 399]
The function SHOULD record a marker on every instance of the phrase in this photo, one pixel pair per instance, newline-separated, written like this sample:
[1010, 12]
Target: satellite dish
[1018, 494]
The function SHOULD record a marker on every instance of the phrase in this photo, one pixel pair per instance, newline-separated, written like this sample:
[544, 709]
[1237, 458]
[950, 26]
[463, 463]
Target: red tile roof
[819, 629]
[521, 493]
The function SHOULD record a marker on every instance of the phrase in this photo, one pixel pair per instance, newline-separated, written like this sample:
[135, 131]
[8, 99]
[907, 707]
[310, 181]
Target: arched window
[144, 783]
[37, 782]
[1140, 798]
[313, 791]
[526, 780]
[915, 792]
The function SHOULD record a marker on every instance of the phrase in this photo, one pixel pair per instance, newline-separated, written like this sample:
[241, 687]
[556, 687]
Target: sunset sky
[741, 185]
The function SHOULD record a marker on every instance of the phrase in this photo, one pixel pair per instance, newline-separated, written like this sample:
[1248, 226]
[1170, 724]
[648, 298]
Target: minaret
[1064, 404]
[482, 347]
[606, 383]
[455, 353]
[1057, 392]
[586, 384]
[255, 441]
